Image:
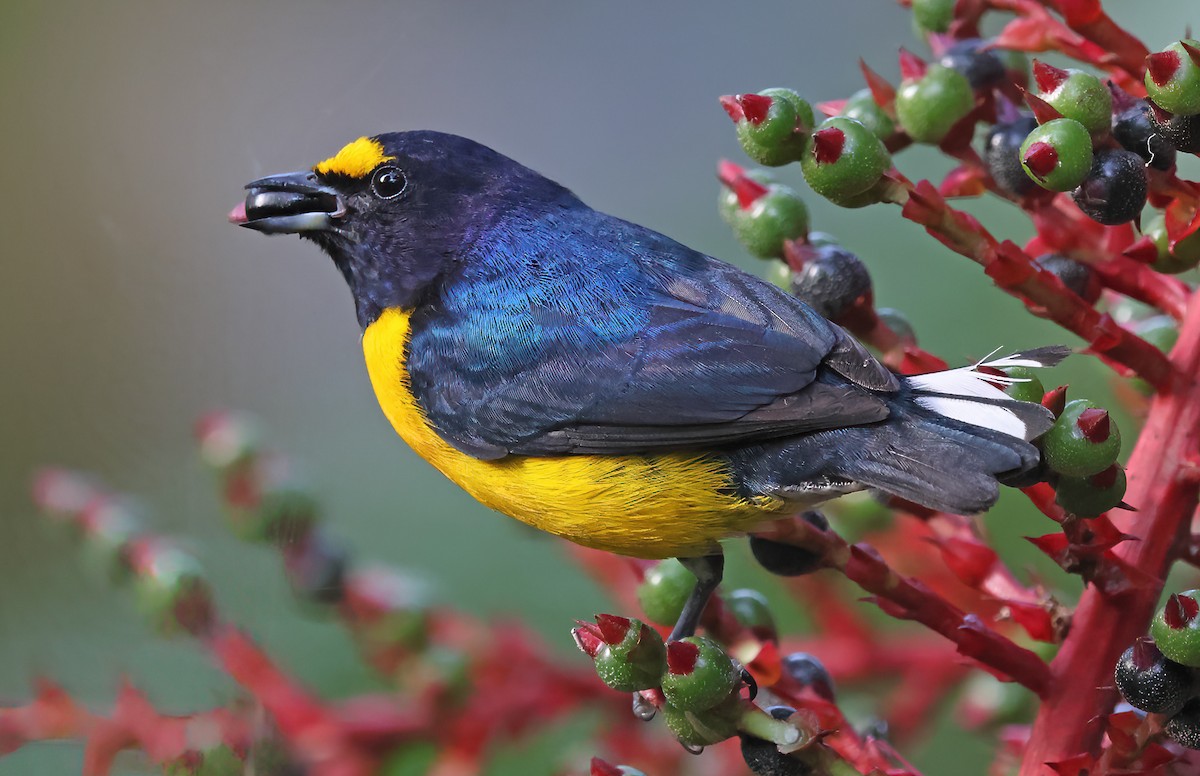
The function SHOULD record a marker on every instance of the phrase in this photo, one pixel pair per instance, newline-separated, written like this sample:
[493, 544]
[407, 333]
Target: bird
[604, 383]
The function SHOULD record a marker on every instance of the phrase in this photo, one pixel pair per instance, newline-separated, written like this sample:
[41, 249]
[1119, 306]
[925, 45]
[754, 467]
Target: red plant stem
[1014, 271]
[1088, 19]
[910, 599]
[1071, 718]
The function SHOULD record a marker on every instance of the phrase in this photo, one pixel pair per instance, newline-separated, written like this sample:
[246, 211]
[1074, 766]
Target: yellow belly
[646, 506]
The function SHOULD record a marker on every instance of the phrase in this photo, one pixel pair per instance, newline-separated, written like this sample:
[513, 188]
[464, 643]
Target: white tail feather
[967, 382]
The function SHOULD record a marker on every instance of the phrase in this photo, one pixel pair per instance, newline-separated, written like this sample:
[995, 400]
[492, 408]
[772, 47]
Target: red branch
[1071, 720]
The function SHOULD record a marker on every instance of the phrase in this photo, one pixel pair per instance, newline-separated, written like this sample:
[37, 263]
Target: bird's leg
[708, 570]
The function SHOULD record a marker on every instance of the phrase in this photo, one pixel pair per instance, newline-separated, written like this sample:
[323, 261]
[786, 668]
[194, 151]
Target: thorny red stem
[908, 598]
[1104, 625]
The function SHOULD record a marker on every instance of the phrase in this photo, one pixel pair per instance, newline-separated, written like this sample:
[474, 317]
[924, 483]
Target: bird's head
[397, 211]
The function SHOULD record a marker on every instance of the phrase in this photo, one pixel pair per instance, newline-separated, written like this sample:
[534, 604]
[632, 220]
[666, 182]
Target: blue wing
[581, 333]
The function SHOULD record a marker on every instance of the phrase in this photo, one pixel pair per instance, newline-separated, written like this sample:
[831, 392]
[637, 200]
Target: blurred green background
[130, 307]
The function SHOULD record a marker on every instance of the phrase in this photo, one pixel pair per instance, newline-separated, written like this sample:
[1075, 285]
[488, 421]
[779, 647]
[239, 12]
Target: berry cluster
[1161, 674]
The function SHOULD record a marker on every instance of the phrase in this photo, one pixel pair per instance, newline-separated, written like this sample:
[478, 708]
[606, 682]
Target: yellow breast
[646, 506]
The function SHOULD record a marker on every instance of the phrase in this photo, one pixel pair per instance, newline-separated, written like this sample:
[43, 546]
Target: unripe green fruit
[634, 663]
[172, 592]
[927, 108]
[664, 590]
[861, 107]
[1176, 628]
[1091, 496]
[706, 726]
[1173, 78]
[1057, 155]
[1081, 442]
[700, 674]
[1030, 390]
[933, 15]
[752, 610]
[1076, 95]
[1184, 256]
[728, 205]
[771, 219]
[780, 135]
[844, 159]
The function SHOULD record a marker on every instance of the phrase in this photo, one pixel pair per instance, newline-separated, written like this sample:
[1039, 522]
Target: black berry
[982, 68]
[1183, 132]
[1115, 189]
[1134, 130]
[1184, 727]
[831, 279]
[764, 758]
[1002, 152]
[1151, 682]
[807, 671]
[1076, 276]
[787, 560]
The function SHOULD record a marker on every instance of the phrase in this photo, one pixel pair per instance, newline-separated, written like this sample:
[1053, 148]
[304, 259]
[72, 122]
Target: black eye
[388, 182]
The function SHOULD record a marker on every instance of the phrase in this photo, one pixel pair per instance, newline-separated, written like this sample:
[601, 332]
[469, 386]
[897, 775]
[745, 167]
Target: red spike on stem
[1056, 400]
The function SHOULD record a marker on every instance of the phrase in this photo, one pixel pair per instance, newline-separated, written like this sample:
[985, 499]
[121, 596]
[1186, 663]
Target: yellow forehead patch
[355, 159]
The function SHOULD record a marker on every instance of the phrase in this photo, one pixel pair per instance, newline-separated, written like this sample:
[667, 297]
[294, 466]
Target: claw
[749, 681]
[692, 748]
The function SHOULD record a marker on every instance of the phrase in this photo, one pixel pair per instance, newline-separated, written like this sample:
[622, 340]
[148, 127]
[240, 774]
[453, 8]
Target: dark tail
[953, 437]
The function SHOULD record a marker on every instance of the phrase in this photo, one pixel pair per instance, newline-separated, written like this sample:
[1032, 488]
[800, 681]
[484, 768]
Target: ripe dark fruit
[1115, 189]
[1183, 132]
[787, 560]
[1151, 682]
[1134, 130]
[808, 671]
[831, 280]
[1002, 153]
[1076, 276]
[982, 68]
[763, 757]
[1184, 727]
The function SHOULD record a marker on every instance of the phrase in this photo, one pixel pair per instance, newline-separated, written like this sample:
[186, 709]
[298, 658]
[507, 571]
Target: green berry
[899, 323]
[1058, 154]
[664, 590]
[861, 107]
[1184, 256]
[928, 107]
[632, 656]
[1176, 628]
[700, 674]
[772, 126]
[752, 610]
[1173, 78]
[933, 15]
[771, 219]
[706, 726]
[1091, 496]
[1076, 95]
[740, 186]
[1029, 390]
[171, 589]
[844, 160]
[1083, 440]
